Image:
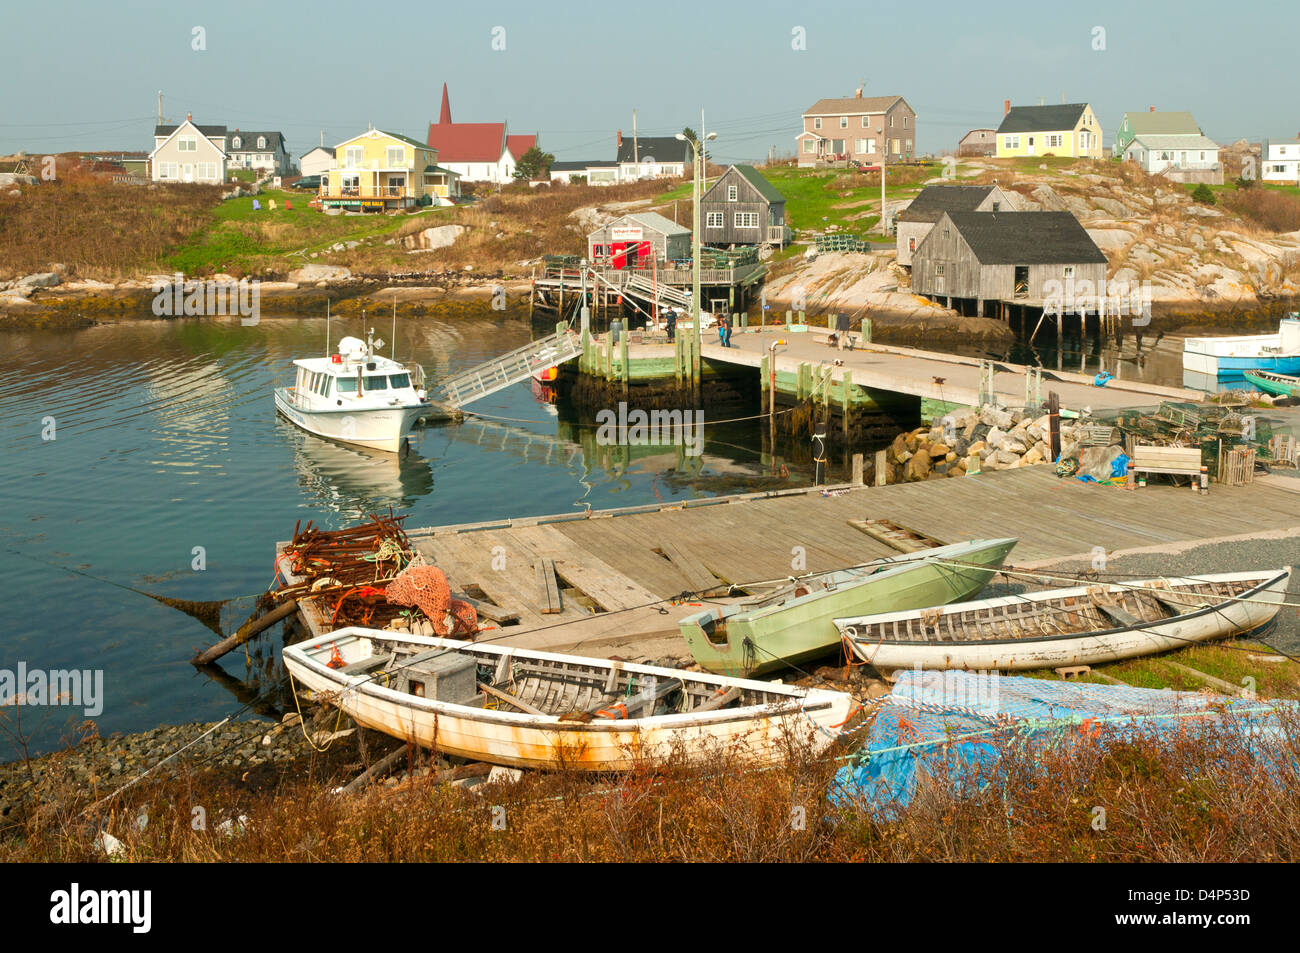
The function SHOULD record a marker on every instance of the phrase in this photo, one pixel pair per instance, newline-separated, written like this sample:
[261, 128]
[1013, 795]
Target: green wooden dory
[1270, 383]
[794, 624]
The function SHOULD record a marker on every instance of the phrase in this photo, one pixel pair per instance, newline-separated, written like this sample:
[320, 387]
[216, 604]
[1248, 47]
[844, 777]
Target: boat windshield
[399, 380]
[376, 382]
[347, 385]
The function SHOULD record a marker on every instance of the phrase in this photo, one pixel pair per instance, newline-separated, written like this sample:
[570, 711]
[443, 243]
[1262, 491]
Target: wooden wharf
[615, 582]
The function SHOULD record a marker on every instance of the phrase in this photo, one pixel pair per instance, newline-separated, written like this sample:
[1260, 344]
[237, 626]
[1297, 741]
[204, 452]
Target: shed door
[618, 254]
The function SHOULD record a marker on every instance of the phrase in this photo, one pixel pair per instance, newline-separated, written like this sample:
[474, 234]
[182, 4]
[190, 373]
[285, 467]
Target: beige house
[857, 129]
[189, 153]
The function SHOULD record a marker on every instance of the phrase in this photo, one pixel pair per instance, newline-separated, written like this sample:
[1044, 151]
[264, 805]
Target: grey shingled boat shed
[992, 256]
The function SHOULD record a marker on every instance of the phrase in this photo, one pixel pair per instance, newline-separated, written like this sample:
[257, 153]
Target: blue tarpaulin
[957, 725]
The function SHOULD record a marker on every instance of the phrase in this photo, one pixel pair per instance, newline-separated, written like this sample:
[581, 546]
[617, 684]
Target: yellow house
[380, 171]
[1065, 130]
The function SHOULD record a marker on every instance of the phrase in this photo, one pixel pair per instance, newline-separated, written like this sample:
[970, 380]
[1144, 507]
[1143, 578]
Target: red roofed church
[478, 151]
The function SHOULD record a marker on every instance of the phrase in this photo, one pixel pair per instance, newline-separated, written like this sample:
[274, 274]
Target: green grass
[244, 240]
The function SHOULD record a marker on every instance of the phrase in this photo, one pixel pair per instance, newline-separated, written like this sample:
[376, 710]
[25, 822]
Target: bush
[1203, 194]
[1268, 208]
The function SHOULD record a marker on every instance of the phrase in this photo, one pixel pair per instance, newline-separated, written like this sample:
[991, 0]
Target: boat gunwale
[281, 399]
[1268, 584]
[796, 699]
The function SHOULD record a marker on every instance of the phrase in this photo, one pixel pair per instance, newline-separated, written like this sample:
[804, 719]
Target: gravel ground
[1283, 633]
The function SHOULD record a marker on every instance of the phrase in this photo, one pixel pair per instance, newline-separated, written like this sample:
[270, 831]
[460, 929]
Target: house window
[354, 157]
[234, 143]
[261, 142]
[809, 145]
[746, 220]
[947, 233]
[938, 269]
[905, 118]
[1053, 141]
[997, 206]
[837, 146]
[908, 145]
[861, 146]
[713, 220]
[396, 157]
[1011, 142]
[732, 193]
[865, 123]
[844, 122]
[1069, 271]
[817, 122]
[871, 145]
[187, 144]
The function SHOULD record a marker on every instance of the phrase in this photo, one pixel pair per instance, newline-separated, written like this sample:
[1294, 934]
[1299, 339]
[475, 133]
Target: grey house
[638, 241]
[915, 221]
[743, 208]
[263, 151]
[1022, 258]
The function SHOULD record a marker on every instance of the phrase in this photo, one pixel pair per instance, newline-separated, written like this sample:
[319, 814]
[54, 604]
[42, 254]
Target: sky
[82, 76]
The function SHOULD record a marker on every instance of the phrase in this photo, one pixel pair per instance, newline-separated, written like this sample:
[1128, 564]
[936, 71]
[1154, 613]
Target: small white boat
[528, 709]
[355, 396]
[1083, 625]
[1230, 356]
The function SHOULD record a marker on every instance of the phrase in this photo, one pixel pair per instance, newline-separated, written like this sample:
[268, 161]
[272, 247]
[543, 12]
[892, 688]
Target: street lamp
[697, 157]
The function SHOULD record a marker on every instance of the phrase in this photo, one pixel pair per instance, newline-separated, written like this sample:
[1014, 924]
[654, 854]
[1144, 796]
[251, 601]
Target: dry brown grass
[96, 227]
[1183, 797]
[1266, 208]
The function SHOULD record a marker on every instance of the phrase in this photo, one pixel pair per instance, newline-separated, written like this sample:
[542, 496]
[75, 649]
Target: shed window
[746, 220]
[714, 220]
[1069, 271]
[732, 193]
[938, 269]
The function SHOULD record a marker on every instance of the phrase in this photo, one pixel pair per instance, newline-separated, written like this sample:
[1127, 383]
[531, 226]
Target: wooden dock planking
[746, 538]
[548, 587]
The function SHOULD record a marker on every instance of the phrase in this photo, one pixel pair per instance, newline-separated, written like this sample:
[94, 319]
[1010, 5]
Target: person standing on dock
[671, 323]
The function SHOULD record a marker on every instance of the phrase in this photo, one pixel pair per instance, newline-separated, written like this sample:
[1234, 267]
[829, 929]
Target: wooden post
[1054, 423]
[625, 370]
[882, 468]
[857, 469]
[846, 384]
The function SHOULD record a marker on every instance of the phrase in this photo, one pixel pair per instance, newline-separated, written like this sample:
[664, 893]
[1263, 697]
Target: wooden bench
[1173, 461]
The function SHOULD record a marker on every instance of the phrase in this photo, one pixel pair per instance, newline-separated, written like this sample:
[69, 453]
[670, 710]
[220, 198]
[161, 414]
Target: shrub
[1203, 194]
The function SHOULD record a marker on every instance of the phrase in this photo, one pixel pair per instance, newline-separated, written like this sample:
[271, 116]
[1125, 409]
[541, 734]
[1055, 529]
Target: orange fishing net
[426, 587]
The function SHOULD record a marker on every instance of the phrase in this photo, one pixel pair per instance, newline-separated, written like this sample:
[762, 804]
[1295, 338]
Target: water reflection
[356, 481]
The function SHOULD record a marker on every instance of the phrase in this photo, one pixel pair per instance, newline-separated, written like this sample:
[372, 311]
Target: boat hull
[1218, 621]
[756, 643]
[759, 735]
[378, 429]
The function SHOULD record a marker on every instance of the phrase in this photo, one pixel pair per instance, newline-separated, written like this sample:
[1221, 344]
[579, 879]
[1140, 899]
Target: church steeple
[444, 117]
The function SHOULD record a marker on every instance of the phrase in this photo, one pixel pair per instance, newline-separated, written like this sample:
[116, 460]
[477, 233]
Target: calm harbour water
[168, 454]
[166, 439]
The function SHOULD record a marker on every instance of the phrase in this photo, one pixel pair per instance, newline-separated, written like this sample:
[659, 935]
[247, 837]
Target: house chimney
[620, 138]
[858, 94]
[1151, 109]
[189, 117]
[1006, 106]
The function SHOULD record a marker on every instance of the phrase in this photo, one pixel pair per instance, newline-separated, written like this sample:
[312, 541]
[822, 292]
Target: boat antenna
[393, 345]
[327, 327]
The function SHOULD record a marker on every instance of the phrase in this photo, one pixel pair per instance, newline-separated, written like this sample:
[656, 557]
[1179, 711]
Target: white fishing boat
[355, 396]
[1083, 625]
[529, 709]
[1230, 356]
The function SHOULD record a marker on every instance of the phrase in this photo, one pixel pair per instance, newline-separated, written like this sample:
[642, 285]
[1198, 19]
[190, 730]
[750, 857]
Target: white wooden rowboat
[530, 709]
[1083, 625]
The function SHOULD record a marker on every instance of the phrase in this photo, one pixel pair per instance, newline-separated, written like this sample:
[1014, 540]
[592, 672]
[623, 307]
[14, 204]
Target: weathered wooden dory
[1083, 625]
[531, 709]
[794, 624]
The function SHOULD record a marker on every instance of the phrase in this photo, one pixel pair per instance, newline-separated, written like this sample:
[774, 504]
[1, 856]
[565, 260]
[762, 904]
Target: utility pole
[636, 153]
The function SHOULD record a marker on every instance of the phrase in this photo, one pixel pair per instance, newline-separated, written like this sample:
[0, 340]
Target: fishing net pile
[426, 588]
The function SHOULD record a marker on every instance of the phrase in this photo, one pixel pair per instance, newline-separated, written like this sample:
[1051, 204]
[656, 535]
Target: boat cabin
[354, 372]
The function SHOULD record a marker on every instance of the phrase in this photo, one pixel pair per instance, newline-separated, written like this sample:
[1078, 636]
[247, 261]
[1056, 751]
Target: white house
[318, 161]
[1155, 154]
[652, 157]
[263, 151]
[1281, 160]
[189, 153]
[592, 172]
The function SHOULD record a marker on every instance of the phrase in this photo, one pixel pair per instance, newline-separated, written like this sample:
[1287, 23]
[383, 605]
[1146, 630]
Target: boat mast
[327, 327]
[393, 344]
